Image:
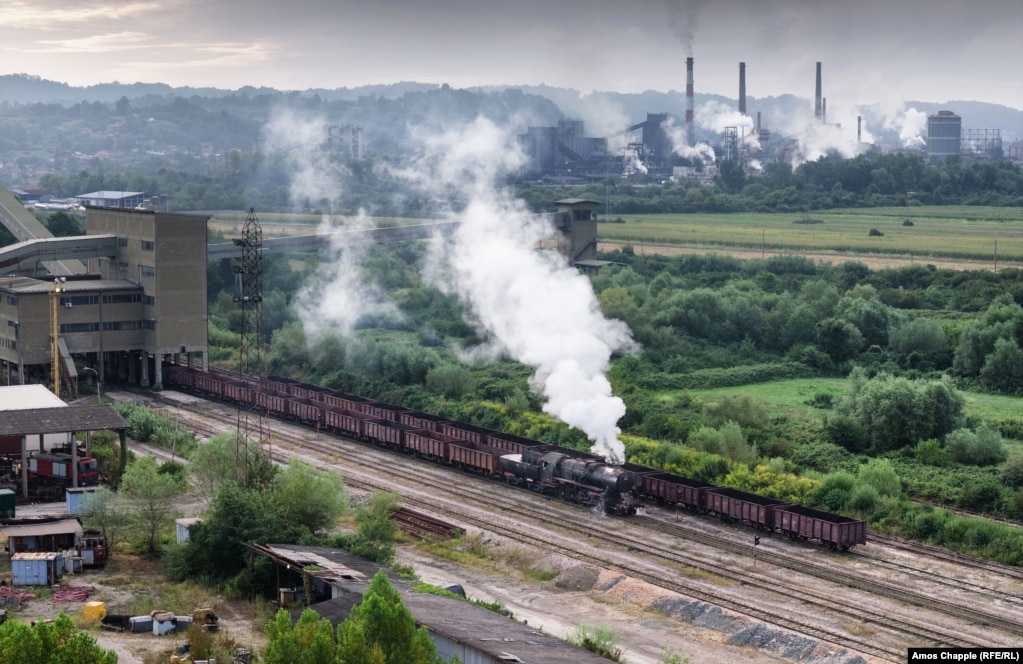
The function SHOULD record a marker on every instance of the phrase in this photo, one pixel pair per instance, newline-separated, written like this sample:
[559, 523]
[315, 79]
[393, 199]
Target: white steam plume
[717, 116]
[337, 296]
[701, 152]
[535, 308]
[911, 124]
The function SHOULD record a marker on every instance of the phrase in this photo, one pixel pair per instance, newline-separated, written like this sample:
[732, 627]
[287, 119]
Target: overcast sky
[884, 51]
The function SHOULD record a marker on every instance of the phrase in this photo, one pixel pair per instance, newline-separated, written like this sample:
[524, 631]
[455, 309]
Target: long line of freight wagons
[479, 450]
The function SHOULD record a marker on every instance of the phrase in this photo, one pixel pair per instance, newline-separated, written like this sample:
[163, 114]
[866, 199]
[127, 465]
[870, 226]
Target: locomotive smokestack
[817, 96]
[690, 129]
[742, 88]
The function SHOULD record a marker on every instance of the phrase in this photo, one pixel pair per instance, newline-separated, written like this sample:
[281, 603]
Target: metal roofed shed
[477, 635]
[38, 535]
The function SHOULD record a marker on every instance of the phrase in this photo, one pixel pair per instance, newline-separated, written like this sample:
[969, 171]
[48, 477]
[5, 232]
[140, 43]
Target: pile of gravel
[578, 578]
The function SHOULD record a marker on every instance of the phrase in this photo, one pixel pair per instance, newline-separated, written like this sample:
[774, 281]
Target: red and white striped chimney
[690, 129]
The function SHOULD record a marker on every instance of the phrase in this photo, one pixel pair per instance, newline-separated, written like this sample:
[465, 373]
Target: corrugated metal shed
[475, 634]
[60, 420]
[59, 527]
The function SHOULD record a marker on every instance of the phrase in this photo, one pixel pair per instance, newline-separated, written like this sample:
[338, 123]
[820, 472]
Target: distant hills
[28, 89]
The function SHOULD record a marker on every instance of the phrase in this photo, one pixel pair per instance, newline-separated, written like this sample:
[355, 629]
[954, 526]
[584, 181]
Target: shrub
[1012, 472]
[981, 447]
[875, 233]
[879, 474]
[863, 499]
[931, 452]
[599, 640]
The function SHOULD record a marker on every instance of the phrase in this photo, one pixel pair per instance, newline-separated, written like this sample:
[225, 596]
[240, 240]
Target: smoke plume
[701, 152]
[684, 19]
[534, 307]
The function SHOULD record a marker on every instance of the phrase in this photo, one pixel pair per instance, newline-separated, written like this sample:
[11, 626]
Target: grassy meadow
[963, 232]
[794, 397]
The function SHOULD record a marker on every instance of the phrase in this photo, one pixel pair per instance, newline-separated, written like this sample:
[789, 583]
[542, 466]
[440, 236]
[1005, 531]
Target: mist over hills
[605, 112]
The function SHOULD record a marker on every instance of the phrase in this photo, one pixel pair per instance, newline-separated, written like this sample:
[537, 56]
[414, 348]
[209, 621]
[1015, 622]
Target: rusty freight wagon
[345, 422]
[475, 458]
[428, 444]
[386, 432]
[343, 400]
[742, 506]
[421, 420]
[670, 489]
[835, 530]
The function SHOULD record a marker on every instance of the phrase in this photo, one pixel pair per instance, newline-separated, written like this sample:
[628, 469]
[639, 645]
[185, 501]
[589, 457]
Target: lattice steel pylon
[251, 358]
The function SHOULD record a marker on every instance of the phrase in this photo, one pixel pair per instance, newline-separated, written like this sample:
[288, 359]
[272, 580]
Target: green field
[961, 232]
[791, 396]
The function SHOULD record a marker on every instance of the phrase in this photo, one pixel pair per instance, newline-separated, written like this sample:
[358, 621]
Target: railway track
[611, 539]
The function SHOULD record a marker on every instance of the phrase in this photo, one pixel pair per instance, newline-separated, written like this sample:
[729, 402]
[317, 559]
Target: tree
[105, 510]
[382, 626]
[150, 496]
[1003, 368]
[309, 641]
[309, 497]
[226, 458]
[50, 643]
[62, 224]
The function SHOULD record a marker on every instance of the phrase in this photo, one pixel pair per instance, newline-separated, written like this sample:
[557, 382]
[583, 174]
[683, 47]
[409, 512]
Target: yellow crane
[56, 288]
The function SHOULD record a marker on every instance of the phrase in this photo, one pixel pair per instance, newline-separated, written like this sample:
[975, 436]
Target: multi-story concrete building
[944, 135]
[132, 308]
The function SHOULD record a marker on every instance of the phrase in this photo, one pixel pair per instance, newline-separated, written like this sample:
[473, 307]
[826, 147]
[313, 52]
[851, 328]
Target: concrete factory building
[140, 299]
[944, 135]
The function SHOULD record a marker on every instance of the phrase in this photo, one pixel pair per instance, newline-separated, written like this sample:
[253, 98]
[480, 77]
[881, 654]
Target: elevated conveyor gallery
[24, 226]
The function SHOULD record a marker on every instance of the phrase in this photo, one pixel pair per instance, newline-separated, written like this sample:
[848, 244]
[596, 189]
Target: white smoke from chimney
[701, 152]
[534, 307]
[684, 19]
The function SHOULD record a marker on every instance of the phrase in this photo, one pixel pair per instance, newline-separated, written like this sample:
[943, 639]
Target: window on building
[148, 271]
[148, 245]
[149, 300]
[120, 325]
[149, 324]
[70, 328]
[122, 298]
[122, 266]
[11, 300]
[122, 242]
[78, 300]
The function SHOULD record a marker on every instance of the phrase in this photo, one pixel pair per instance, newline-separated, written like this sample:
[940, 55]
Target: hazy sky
[872, 50]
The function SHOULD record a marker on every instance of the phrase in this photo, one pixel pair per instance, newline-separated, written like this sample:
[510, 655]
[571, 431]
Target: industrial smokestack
[742, 88]
[758, 122]
[817, 96]
[690, 128]
[859, 128]
[824, 110]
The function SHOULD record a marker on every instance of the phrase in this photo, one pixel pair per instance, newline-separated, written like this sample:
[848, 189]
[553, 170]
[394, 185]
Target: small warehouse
[27, 397]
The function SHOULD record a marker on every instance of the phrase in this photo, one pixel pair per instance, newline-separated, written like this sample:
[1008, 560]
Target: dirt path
[873, 261]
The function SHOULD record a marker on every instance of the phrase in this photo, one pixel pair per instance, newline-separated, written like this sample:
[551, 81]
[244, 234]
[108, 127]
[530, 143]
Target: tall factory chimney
[817, 96]
[742, 88]
[859, 128]
[824, 110]
[690, 129]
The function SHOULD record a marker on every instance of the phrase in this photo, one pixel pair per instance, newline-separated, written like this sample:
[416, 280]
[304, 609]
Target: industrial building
[141, 296]
[944, 135]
